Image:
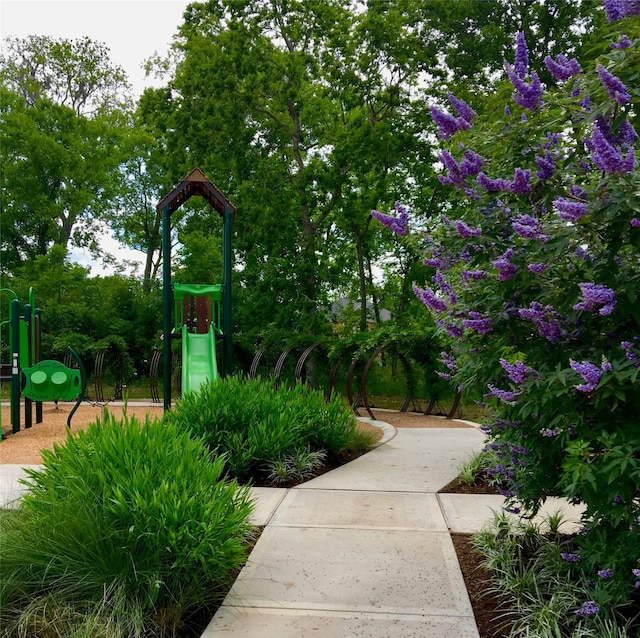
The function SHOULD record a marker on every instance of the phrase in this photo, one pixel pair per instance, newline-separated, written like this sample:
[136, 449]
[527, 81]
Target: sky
[133, 30]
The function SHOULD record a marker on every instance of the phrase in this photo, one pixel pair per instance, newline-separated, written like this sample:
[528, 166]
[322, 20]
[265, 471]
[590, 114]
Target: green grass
[127, 521]
[256, 423]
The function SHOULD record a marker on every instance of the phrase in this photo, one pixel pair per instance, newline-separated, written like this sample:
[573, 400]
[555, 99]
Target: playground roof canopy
[196, 183]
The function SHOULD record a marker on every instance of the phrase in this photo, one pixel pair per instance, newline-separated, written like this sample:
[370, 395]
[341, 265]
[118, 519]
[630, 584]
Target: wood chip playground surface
[24, 446]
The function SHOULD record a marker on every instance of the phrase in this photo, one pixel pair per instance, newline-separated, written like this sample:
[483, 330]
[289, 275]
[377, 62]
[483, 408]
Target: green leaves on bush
[256, 422]
[133, 518]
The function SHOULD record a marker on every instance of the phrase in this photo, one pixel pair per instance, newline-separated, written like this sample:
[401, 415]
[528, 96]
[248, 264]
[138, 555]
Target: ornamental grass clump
[129, 527]
[255, 423]
[533, 273]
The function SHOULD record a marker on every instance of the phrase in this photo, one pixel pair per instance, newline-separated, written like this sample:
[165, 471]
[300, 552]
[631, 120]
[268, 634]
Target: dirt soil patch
[415, 420]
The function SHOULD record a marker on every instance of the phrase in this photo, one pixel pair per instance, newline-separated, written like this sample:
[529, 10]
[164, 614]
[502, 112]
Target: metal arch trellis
[365, 375]
[277, 370]
[156, 358]
[253, 370]
[409, 397]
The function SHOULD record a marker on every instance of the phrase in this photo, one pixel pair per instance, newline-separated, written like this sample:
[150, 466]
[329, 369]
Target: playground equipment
[198, 349]
[34, 379]
[197, 320]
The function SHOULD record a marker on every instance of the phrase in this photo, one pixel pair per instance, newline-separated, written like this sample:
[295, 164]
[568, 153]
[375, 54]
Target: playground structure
[198, 343]
[28, 375]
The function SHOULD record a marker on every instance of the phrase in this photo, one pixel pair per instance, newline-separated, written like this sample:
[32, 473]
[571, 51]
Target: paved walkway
[364, 550]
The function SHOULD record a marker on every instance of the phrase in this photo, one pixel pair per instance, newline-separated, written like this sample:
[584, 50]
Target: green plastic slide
[199, 364]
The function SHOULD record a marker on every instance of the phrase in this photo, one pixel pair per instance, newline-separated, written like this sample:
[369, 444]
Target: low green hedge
[254, 423]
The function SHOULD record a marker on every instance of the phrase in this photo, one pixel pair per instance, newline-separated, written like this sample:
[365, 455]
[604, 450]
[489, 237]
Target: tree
[134, 219]
[62, 134]
[72, 73]
[533, 275]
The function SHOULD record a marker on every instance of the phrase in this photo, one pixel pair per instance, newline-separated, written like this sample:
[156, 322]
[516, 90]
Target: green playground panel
[51, 380]
[210, 290]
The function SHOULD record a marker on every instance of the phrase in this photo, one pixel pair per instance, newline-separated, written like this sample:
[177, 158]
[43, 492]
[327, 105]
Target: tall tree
[309, 114]
[62, 132]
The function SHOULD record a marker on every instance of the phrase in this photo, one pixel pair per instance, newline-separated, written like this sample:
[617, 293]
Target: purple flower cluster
[619, 9]
[489, 184]
[449, 361]
[528, 227]
[445, 287]
[596, 297]
[537, 269]
[477, 322]
[449, 125]
[456, 173]
[466, 231]
[461, 107]
[605, 573]
[520, 184]
[635, 222]
[451, 329]
[589, 372]
[399, 225]
[473, 275]
[615, 87]
[623, 42]
[562, 68]
[506, 270]
[504, 395]
[453, 177]
[527, 95]
[518, 372]
[570, 558]
[609, 158]
[544, 319]
[630, 350]
[429, 299]
[588, 609]
[521, 62]
[568, 210]
[546, 166]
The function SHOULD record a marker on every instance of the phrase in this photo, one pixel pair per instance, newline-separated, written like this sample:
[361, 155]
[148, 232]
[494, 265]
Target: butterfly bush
[533, 274]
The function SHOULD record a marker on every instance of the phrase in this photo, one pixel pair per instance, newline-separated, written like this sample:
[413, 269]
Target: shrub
[126, 520]
[253, 423]
[544, 592]
[536, 278]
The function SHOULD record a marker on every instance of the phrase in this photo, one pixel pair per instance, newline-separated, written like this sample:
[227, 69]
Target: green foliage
[128, 521]
[475, 467]
[536, 284]
[296, 467]
[542, 590]
[256, 422]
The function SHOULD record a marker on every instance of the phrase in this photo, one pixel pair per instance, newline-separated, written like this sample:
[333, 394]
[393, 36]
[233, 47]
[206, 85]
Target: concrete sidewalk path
[363, 550]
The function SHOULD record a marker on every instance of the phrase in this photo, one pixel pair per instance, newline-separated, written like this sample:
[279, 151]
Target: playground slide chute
[198, 359]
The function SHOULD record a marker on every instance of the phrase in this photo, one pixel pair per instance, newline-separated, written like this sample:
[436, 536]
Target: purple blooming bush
[534, 278]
